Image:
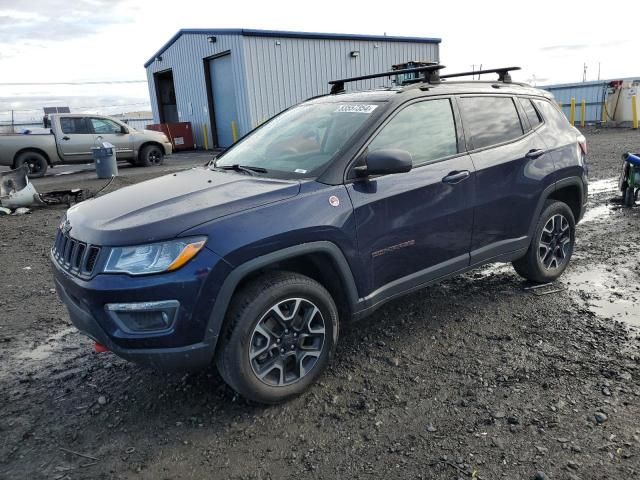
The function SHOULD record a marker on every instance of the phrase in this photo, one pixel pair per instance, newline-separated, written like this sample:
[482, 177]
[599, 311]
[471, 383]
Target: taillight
[583, 144]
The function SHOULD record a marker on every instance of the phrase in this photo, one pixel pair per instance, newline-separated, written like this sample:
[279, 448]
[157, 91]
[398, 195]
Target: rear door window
[425, 129]
[74, 125]
[532, 114]
[490, 120]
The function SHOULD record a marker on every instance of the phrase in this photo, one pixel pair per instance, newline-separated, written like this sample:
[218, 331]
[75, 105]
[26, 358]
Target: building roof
[588, 83]
[285, 34]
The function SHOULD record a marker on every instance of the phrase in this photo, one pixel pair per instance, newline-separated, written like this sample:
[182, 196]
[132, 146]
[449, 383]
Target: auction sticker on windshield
[356, 108]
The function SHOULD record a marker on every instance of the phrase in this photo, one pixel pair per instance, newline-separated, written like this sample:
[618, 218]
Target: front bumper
[168, 148]
[191, 341]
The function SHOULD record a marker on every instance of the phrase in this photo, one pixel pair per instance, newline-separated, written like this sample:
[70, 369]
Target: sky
[61, 41]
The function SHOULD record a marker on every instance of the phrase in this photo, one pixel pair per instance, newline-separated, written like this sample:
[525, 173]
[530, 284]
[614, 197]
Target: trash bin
[105, 158]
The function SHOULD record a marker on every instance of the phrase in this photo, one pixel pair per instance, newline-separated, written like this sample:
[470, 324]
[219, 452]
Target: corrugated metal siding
[185, 59]
[592, 92]
[281, 75]
[269, 77]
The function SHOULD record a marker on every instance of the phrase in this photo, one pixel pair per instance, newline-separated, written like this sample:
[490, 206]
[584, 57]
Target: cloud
[577, 46]
[56, 20]
[582, 46]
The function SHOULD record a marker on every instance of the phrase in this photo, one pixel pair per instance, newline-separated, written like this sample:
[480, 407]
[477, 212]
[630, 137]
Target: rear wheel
[551, 246]
[151, 155]
[35, 162]
[629, 197]
[279, 336]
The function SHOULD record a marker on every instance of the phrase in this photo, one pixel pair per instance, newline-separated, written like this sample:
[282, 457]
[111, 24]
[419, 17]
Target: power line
[79, 107]
[101, 82]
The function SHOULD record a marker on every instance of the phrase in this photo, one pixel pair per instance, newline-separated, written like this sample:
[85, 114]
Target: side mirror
[386, 161]
[124, 130]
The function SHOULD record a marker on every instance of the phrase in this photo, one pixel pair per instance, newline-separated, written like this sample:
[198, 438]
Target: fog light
[144, 316]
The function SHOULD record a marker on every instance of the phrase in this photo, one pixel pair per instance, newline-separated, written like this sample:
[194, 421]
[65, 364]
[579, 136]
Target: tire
[629, 197]
[551, 245]
[269, 357]
[151, 155]
[35, 162]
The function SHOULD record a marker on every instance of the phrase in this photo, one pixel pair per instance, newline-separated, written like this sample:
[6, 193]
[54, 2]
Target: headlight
[153, 257]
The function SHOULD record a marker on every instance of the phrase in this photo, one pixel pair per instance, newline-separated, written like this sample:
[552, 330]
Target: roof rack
[503, 73]
[430, 71]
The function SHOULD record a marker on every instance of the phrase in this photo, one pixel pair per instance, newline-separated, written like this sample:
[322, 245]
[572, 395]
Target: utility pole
[598, 70]
[12, 129]
[584, 73]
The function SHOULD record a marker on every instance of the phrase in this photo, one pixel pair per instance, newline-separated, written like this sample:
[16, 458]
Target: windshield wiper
[242, 168]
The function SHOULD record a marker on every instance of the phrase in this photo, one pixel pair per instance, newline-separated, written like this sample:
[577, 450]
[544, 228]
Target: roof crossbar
[430, 71]
[503, 73]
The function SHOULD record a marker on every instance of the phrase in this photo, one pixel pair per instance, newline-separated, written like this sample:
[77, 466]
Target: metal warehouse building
[607, 100]
[228, 81]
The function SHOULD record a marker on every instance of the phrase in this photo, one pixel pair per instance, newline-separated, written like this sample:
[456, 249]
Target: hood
[152, 133]
[162, 208]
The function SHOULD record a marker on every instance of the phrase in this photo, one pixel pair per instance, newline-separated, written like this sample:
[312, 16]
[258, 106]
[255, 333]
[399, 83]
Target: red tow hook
[100, 348]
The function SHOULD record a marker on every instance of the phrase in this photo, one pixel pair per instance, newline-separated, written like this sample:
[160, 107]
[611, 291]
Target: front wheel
[551, 245]
[151, 155]
[279, 336]
[35, 162]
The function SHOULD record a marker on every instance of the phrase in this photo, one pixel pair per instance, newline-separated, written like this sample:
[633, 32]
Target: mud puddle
[607, 292]
[603, 186]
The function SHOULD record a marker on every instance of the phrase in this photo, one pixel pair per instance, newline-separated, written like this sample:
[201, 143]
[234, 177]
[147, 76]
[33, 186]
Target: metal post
[634, 111]
[234, 130]
[572, 112]
[12, 127]
[583, 112]
[604, 112]
[206, 137]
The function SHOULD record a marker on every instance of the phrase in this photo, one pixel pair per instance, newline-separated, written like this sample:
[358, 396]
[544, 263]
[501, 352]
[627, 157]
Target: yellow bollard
[583, 112]
[572, 112]
[234, 130]
[634, 111]
[206, 137]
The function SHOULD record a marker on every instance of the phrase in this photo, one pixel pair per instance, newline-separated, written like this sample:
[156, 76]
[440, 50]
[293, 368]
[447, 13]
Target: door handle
[535, 153]
[456, 177]
[66, 138]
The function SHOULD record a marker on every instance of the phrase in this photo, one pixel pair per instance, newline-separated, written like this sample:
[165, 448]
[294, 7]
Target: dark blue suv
[324, 213]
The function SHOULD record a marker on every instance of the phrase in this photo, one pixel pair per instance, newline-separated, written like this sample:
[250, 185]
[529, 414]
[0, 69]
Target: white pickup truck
[70, 141]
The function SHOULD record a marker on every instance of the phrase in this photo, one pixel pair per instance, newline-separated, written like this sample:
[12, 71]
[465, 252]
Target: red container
[180, 134]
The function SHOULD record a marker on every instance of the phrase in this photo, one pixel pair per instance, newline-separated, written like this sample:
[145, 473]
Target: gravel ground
[473, 378]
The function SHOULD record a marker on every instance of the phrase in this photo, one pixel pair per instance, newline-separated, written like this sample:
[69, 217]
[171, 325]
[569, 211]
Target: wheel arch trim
[239, 273]
[546, 193]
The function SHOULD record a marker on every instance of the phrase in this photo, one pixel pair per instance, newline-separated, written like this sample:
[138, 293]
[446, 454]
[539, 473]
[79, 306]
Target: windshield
[300, 141]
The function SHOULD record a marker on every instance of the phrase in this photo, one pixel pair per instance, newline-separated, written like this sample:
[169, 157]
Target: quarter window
[426, 130]
[556, 119]
[531, 113]
[73, 125]
[490, 120]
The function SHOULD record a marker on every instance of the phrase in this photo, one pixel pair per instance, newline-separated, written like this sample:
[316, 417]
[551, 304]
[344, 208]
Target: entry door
[76, 139]
[414, 227]
[224, 99]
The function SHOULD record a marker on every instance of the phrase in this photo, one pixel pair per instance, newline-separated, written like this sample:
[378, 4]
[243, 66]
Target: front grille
[74, 256]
